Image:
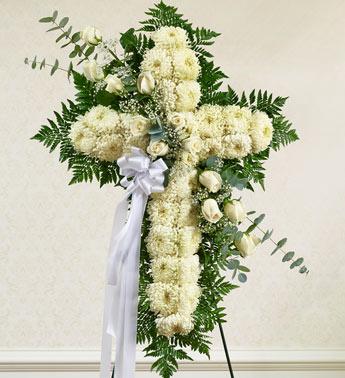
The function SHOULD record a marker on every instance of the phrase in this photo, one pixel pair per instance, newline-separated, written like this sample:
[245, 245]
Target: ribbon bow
[141, 178]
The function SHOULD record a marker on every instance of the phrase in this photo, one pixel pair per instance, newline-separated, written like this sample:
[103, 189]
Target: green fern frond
[164, 15]
[283, 133]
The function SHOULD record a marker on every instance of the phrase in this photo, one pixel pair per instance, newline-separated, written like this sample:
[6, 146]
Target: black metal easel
[225, 350]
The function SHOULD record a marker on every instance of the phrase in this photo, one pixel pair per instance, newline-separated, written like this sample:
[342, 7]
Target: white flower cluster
[175, 69]
[227, 132]
[172, 243]
[106, 134]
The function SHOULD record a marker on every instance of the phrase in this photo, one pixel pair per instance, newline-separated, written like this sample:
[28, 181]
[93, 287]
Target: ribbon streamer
[121, 296]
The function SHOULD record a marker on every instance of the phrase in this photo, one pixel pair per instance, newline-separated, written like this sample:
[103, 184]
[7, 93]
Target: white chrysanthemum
[83, 138]
[166, 95]
[186, 64]
[169, 37]
[162, 211]
[189, 270]
[236, 119]
[109, 147]
[164, 298]
[236, 146]
[189, 296]
[187, 213]
[188, 96]
[99, 133]
[210, 121]
[174, 324]
[103, 119]
[158, 62]
[261, 131]
[161, 241]
[166, 269]
[139, 141]
[189, 239]
[189, 159]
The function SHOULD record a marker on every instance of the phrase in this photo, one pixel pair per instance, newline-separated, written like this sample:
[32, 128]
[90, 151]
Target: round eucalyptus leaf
[298, 262]
[233, 264]
[288, 256]
[242, 277]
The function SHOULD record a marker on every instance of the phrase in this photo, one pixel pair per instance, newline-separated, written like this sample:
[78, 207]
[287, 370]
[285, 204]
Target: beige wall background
[54, 237]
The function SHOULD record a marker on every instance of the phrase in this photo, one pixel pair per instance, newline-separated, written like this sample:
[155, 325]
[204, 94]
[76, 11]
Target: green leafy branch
[82, 51]
[56, 133]
[36, 64]
[288, 256]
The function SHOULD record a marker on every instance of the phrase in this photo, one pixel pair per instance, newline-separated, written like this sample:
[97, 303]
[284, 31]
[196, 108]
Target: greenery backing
[217, 252]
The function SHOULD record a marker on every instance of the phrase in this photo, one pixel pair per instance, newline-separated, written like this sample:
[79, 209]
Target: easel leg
[113, 375]
[226, 350]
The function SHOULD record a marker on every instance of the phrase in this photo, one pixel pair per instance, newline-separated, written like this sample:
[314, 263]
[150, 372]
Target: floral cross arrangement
[155, 119]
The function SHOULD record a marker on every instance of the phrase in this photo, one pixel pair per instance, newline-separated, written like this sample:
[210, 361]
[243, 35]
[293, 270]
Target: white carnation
[169, 37]
[186, 64]
[158, 62]
[174, 324]
[188, 96]
[236, 146]
[261, 131]
[164, 298]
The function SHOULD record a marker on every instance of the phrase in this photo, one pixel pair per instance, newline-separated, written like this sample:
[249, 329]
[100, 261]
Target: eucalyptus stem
[70, 38]
[47, 64]
[273, 241]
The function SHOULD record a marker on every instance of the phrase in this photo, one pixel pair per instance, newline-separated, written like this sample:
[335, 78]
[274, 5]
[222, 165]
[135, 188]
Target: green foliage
[135, 45]
[68, 37]
[210, 80]
[164, 15]
[85, 97]
[84, 168]
[283, 133]
[35, 64]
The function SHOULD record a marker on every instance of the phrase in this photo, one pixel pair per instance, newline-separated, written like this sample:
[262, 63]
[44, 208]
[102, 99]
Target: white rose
[92, 71]
[114, 84]
[177, 120]
[91, 36]
[146, 83]
[235, 211]
[193, 145]
[157, 148]
[211, 180]
[210, 210]
[139, 126]
[247, 244]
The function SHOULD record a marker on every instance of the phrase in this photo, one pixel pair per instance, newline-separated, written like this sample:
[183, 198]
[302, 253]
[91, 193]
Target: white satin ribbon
[121, 297]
